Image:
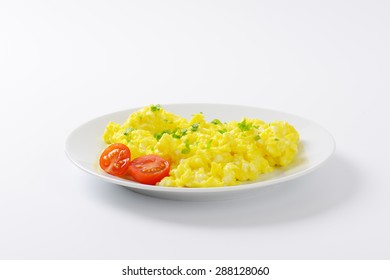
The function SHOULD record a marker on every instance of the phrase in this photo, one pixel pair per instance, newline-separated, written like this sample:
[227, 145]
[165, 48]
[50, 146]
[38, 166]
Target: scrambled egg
[206, 154]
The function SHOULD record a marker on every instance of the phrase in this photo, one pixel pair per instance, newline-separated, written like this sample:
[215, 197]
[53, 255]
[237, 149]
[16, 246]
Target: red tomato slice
[115, 159]
[149, 169]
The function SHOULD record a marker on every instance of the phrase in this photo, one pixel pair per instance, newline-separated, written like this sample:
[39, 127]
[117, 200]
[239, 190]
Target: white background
[65, 62]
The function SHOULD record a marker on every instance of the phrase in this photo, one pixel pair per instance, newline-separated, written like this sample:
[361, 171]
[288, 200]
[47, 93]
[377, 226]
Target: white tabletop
[64, 63]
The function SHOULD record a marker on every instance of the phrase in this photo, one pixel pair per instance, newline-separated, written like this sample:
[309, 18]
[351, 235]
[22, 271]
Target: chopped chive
[155, 108]
[244, 126]
[187, 148]
[179, 133]
[160, 134]
[209, 144]
[216, 121]
[128, 130]
[194, 127]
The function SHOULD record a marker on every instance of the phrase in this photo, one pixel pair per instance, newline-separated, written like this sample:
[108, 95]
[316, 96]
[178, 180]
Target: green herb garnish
[244, 126]
[209, 144]
[128, 130]
[160, 134]
[187, 148]
[194, 127]
[179, 133]
[155, 108]
[216, 121]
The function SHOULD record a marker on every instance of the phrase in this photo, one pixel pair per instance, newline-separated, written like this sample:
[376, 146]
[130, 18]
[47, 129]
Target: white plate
[85, 144]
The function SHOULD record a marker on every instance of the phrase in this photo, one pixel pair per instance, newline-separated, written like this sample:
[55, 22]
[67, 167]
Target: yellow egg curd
[206, 154]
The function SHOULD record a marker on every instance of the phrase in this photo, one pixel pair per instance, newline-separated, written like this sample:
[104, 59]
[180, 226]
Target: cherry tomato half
[115, 159]
[149, 169]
